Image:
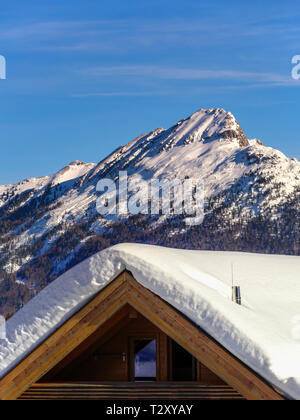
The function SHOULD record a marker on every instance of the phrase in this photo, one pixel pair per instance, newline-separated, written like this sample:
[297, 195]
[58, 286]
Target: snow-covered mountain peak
[204, 126]
[72, 171]
[77, 163]
[213, 132]
[211, 124]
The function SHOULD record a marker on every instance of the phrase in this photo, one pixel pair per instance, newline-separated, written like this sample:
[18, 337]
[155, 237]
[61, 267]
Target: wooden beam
[119, 321]
[129, 391]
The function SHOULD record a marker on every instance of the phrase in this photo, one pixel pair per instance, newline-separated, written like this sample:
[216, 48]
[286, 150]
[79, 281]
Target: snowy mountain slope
[251, 194]
[263, 332]
[210, 145]
[71, 172]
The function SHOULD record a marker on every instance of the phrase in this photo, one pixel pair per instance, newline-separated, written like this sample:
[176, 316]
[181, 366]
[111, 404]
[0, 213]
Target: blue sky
[85, 76]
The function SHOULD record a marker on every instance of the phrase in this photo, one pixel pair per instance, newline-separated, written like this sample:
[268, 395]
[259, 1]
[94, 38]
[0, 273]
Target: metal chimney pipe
[236, 295]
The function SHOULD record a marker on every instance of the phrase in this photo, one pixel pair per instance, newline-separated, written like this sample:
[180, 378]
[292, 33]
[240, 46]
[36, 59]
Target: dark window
[184, 365]
[145, 360]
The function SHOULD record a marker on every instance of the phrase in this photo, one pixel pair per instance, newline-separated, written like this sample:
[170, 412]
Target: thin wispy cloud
[52, 29]
[80, 47]
[119, 94]
[221, 80]
[128, 33]
[174, 73]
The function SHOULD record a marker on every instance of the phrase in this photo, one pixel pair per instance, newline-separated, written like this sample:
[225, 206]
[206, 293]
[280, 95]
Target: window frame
[132, 339]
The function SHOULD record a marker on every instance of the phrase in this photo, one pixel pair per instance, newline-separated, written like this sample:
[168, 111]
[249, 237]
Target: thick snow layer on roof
[264, 332]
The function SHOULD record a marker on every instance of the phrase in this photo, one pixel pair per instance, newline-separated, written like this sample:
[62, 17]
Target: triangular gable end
[109, 305]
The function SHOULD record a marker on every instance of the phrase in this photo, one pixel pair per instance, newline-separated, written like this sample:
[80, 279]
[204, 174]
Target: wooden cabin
[128, 343]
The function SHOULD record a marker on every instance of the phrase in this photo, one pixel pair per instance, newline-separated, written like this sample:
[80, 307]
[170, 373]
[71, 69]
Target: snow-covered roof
[264, 332]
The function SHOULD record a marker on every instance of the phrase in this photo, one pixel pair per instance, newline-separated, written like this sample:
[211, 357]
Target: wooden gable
[105, 312]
